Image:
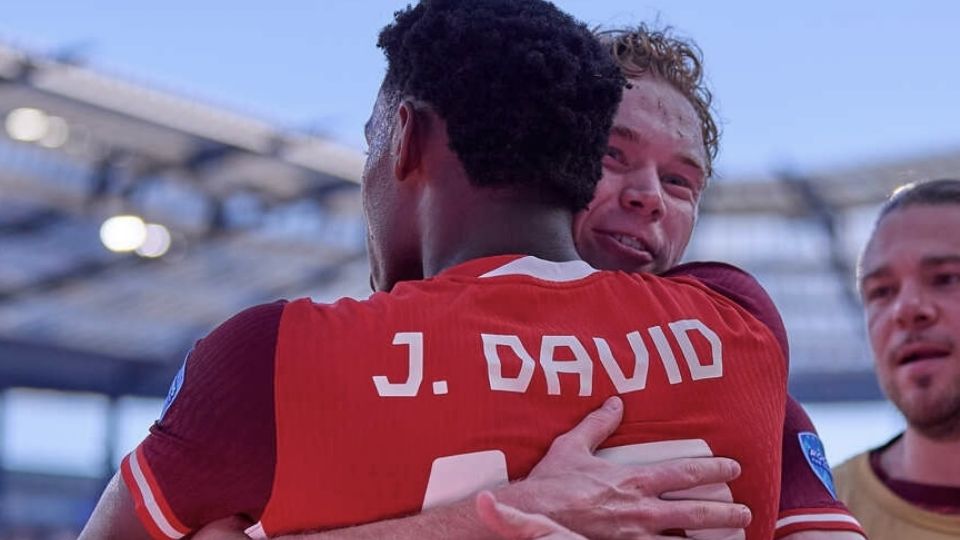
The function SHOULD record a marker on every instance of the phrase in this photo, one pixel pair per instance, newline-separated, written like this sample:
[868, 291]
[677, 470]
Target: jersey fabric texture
[884, 513]
[807, 503]
[307, 416]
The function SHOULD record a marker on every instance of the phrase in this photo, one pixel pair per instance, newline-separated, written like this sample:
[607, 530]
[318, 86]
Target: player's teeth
[630, 241]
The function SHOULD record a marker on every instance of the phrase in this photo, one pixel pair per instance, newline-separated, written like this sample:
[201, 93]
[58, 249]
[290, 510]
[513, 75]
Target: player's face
[645, 206]
[911, 293]
[387, 207]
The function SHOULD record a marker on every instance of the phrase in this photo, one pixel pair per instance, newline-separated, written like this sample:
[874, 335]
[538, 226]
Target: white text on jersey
[575, 361]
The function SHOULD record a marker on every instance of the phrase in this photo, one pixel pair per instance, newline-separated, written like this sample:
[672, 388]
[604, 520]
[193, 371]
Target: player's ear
[406, 141]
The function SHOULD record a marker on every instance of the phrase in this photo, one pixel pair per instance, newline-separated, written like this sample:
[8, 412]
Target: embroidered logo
[817, 459]
[174, 388]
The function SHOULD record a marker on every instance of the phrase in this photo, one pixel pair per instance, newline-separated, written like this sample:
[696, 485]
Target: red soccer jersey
[808, 500]
[445, 386]
[514, 352]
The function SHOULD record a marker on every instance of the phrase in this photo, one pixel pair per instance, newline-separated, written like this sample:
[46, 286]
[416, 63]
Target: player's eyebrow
[636, 138]
[691, 162]
[366, 129]
[876, 273]
[927, 261]
[937, 260]
[626, 133]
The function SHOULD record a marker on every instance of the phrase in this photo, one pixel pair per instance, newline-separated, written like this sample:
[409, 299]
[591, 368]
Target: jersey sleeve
[807, 496]
[212, 453]
[808, 500]
[740, 287]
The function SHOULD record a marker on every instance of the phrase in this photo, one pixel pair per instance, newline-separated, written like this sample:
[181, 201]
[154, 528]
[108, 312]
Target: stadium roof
[253, 212]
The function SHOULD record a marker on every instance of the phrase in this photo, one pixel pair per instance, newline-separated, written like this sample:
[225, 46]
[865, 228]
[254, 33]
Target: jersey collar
[522, 265]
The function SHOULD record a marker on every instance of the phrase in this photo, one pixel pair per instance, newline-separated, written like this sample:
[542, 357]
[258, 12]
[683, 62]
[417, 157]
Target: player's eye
[945, 279]
[878, 292]
[681, 186]
[677, 180]
[616, 154]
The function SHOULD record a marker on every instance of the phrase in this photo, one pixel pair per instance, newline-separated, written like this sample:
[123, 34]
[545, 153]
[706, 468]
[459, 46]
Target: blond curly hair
[645, 51]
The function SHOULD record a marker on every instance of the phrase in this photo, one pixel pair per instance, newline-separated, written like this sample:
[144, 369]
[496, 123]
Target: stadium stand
[251, 212]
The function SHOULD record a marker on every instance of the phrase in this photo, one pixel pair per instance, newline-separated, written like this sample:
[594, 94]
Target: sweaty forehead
[652, 103]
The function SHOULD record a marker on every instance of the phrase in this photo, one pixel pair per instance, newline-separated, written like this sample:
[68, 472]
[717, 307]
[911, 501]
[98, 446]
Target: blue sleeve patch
[174, 387]
[817, 459]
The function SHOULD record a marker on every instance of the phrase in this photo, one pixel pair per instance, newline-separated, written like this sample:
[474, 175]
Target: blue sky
[808, 85]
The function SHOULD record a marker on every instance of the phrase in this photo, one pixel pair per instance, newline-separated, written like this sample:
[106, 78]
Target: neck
[920, 459]
[485, 222]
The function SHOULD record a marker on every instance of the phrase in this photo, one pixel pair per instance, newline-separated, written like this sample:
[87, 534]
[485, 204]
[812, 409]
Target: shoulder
[850, 465]
[212, 451]
[859, 488]
[849, 472]
[236, 357]
[861, 467]
[728, 280]
[302, 318]
[252, 324]
[740, 287]
[253, 327]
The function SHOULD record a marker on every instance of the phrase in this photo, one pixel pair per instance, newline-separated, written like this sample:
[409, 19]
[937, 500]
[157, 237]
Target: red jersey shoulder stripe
[151, 506]
[816, 519]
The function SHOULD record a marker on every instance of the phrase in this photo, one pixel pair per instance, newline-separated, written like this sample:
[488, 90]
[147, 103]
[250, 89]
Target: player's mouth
[921, 352]
[636, 250]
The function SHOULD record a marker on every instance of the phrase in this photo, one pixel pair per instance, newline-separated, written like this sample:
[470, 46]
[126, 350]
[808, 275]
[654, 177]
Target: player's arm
[582, 492]
[809, 509]
[743, 289]
[508, 522]
[212, 452]
[114, 516]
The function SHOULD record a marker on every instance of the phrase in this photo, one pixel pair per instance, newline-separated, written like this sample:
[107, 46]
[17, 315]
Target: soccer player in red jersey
[429, 392]
[640, 220]
[659, 158]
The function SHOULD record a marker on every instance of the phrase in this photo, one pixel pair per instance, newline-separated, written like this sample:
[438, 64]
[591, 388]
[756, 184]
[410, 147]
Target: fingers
[686, 473]
[596, 427]
[694, 515]
[690, 493]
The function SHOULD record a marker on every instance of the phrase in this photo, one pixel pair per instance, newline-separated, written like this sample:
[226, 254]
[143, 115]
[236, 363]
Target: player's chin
[636, 263]
[612, 256]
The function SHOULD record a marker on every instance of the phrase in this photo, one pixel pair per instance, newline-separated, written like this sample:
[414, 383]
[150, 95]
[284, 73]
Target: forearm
[458, 520]
[114, 515]
[577, 490]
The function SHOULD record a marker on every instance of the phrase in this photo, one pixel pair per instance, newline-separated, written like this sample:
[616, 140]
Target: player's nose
[914, 306]
[642, 192]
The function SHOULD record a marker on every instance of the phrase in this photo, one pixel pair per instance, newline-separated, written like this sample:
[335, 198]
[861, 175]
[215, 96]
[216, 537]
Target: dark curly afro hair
[527, 92]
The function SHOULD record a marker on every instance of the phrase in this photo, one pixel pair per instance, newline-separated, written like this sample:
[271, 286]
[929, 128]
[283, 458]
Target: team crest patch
[817, 459]
[174, 388]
